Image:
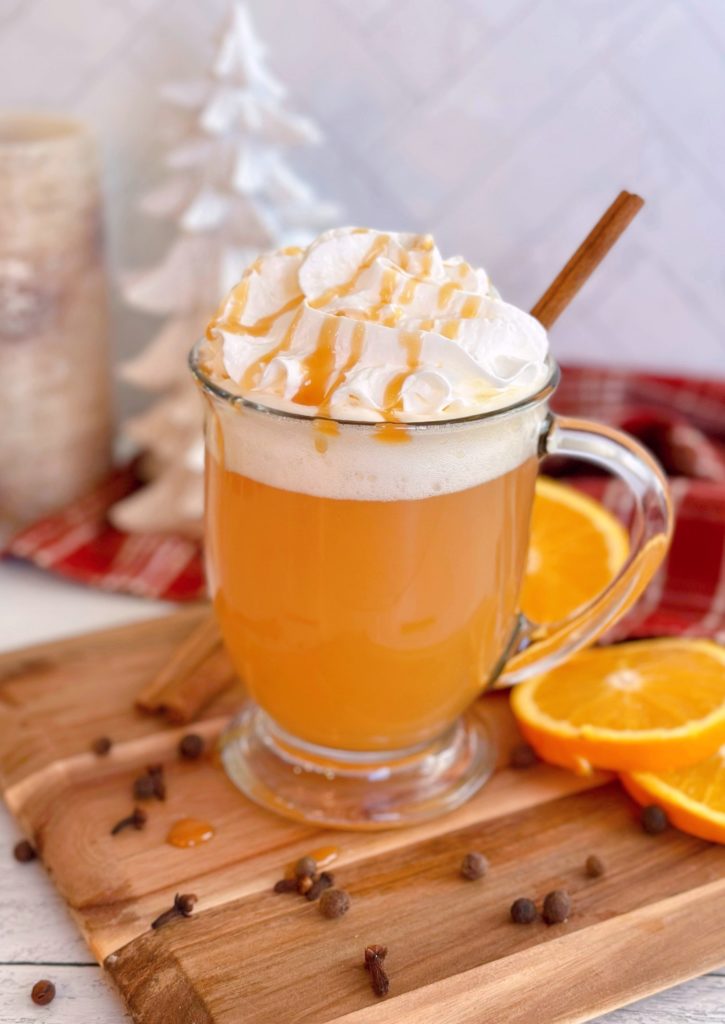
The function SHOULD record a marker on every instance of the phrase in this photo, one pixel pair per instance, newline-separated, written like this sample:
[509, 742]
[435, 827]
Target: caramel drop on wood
[189, 832]
[323, 856]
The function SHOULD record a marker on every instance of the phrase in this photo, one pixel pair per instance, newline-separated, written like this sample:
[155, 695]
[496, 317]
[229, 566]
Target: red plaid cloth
[681, 421]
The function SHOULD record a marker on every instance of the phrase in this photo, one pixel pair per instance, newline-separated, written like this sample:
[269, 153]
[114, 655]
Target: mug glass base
[363, 791]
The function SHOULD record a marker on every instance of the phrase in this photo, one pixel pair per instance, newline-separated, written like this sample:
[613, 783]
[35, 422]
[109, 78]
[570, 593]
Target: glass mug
[366, 580]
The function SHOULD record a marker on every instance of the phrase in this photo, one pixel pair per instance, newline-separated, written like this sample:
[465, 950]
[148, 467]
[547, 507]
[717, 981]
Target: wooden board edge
[164, 985]
[614, 969]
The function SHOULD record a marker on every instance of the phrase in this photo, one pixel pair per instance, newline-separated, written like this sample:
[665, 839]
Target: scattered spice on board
[522, 757]
[523, 911]
[24, 852]
[374, 958]
[101, 746]
[183, 907]
[654, 820]
[43, 992]
[557, 907]
[137, 820]
[594, 866]
[474, 866]
[191, 746]
[334, 903]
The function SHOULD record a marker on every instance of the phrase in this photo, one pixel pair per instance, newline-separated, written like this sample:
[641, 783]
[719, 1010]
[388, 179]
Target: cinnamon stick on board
[201, 668]
[587, 258]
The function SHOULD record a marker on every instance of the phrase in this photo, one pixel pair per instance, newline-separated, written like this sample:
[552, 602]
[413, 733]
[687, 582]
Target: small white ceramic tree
[232, 195]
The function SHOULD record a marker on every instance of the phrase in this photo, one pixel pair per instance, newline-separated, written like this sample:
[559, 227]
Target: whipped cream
[368, 326]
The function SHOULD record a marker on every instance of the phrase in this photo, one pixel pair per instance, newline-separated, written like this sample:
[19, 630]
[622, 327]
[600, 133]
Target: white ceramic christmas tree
[232, 195]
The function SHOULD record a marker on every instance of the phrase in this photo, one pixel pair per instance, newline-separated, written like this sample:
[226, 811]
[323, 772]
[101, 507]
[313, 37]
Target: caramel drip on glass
[470, 307]
[319, 366]
[339, 290]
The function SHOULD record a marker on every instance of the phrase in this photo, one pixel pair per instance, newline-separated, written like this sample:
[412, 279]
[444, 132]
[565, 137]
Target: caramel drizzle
[253, 373]
[338, 290]
[319, 365]
[412, 342]
[408, 291]
[446, 291]
[356, 345]
[470, 307]
[387, 288]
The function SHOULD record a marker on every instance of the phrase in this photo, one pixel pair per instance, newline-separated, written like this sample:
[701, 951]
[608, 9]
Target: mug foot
[364, 791]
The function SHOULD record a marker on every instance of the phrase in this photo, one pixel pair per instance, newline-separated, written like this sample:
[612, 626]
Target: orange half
[643, 706]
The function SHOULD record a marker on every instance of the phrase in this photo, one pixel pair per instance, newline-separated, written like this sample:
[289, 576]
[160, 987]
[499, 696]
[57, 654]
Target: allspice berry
[557, 907]
[522, 757]
[334, 903]
[594, 866]
[523, 911]
[24, 852]
[191, 746]
[474, 865]
[306, 867]
[43, 992]
[654, 820]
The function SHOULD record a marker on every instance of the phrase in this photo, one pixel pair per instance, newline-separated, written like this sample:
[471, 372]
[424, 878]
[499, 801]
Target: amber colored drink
[366, 624]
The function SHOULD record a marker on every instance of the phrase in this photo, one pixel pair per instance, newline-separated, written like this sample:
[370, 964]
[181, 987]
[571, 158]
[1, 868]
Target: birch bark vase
[55, 408]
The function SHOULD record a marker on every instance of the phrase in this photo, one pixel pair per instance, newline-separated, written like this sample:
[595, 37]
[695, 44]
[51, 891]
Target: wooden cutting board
[250, 955]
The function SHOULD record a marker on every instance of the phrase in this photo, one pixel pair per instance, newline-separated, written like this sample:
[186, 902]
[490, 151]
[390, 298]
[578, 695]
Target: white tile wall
[503, 126]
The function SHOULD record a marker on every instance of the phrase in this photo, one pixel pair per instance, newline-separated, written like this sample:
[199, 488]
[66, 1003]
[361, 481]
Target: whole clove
[304, 884]
[191, 746]
[286, 885]
[144, 788]
[43, 992]
[374, 957]
[474, 866]
[137, 820]
[101, 746]
[183, 907]
[334, 903]
[654, 820]
[557, 907]
[24, 851]
[156, 771]
[324, 881]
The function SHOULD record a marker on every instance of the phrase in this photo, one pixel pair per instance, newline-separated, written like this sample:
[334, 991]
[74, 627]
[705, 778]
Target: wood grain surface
[653, 920]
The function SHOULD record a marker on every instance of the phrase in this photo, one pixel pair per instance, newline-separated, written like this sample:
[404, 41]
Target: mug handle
[541, 646]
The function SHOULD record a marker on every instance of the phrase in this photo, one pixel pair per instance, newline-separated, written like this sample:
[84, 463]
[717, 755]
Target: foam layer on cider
[359, 463]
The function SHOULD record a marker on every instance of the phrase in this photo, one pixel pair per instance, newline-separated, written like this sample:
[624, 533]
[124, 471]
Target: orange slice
[694, 797]
[576, 549]
[644, 706]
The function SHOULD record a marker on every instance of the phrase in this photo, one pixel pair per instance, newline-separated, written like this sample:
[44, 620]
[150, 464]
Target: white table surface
[38, 938]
